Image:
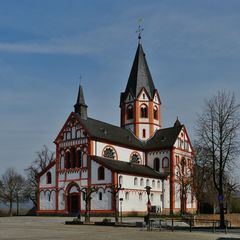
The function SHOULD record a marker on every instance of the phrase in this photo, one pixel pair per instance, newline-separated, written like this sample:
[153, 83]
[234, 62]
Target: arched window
[109, 152]
[135, 181]
[73, 158]
[152, 197]
[158, 184]
[147, 182]
[153, 183]
[126, 195]
[100, 196]
[121, 180]
[140, 196]
[79, 158]
[83, 196]
[49, 196]
[144, 111]
[144, 133]
[129, 112]
[49, 178]
[156, 164]
[101, 173]
[78, 133]
[155, 112]
[165, 162]
[141, 182]
[68, 135]
[67, 159]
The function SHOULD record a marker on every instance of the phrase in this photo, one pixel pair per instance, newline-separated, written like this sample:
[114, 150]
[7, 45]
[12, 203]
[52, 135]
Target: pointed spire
[80, 107]
[177, 123]
[140, 76]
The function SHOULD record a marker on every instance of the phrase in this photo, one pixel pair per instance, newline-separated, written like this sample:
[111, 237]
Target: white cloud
[50, 47]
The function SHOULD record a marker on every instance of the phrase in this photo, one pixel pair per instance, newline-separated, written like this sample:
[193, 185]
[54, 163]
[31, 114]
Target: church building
[112, 165]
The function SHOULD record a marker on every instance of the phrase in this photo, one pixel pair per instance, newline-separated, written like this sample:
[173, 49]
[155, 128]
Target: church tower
[80, 107]
[140, 103]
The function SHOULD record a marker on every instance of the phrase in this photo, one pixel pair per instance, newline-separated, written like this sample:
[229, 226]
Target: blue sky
[192, 48]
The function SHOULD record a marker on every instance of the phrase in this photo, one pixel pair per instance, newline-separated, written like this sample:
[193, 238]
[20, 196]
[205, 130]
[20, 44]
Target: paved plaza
[53, 228]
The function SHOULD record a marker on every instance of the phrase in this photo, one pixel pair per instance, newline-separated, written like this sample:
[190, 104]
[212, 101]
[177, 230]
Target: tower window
[155, 113]
[144, 111]
[144, 133]
[130, 112]
[101, 173]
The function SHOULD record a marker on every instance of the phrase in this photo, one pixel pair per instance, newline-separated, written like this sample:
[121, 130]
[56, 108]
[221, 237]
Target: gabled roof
[129, 168]
[110, 133]
[164, 138]
[140, 76]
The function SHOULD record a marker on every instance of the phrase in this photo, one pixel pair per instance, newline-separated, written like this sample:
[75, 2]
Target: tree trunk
[221, 208]
[10, 208]
[17, 200]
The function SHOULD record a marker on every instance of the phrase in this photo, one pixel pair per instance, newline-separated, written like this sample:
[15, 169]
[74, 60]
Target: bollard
[172, 225]
[190, 225]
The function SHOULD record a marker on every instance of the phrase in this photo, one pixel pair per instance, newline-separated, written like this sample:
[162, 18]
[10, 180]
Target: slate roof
[105, 131]
[162, 139]
[140, 75]
[80, 97]
[126, 167]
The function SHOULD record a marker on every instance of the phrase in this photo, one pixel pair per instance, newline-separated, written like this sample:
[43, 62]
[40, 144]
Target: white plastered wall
[134, 188]
[158, 154]
[123, 154]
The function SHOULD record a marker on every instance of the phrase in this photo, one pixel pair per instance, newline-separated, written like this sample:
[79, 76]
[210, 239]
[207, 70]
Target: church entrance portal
[74, 203]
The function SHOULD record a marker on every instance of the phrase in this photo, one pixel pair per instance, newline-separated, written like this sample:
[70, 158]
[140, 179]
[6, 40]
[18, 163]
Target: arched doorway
[73, 199]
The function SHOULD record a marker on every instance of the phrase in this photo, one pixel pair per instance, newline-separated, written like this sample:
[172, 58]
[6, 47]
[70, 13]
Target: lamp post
[121, 200]
[148, 190]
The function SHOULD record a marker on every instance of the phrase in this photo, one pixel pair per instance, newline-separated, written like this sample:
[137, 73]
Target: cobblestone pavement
[51, 228]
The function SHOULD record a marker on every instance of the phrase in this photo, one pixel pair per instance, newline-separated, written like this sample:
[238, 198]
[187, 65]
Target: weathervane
[139, 30]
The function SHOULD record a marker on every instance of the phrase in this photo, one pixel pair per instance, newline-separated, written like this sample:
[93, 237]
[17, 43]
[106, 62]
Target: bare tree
[217, 130]
[43, 158]
[88, 191]
[201, 173]
[114, 190]
[10, 187]
[20, 191]
[184, 179]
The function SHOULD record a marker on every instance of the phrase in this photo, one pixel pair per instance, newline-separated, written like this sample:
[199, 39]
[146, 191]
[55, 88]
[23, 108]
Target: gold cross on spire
[139, 30]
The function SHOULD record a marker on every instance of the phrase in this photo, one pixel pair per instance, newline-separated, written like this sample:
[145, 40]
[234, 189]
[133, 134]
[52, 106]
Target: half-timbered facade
[97, 157]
